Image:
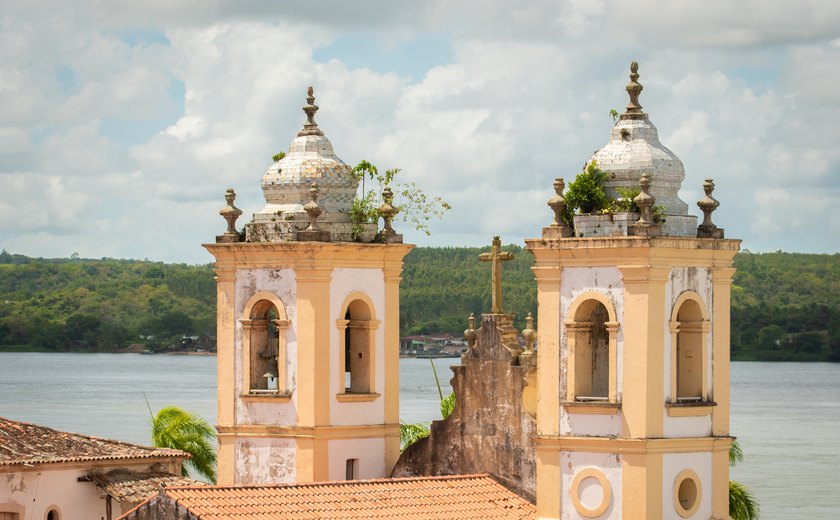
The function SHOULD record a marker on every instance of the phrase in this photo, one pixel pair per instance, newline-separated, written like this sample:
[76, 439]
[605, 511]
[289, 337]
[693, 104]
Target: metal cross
[496, 256]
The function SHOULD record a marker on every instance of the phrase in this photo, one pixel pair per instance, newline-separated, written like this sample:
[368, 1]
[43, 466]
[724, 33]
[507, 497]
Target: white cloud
[749, 100]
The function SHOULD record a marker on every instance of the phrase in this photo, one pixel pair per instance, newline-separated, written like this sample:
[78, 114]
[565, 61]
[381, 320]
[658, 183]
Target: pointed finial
[708, 204]
[230, 213]
[634, 88]
[526, 357]
[644, 200]
[470, 334]
[388, 211]
[312, 208]
[310, 127]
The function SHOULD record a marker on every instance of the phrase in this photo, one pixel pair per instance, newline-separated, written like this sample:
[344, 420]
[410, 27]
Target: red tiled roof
[131, 487]
[461, 497]
[25, 443]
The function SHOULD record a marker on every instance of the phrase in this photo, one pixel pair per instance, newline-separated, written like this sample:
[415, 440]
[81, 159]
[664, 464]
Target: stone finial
[558, 228]
[230, 213]
[644, 200]
[645, 226]
[634, 88]
[496, 256]
[527, 356]
[471, 334]
[314, 210]
[388, 211]
[310, 127]
[708, 204]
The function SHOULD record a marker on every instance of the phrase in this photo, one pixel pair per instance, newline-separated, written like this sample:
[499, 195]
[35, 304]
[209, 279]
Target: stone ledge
[356, 398]
[690, 409]
[591, 407]
[266, 398]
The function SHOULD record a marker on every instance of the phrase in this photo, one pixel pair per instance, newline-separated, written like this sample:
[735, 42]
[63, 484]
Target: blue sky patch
[409, 58]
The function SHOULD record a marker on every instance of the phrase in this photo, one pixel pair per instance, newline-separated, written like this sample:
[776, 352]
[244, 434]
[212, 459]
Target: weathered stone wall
[489, 430]
[160, 507]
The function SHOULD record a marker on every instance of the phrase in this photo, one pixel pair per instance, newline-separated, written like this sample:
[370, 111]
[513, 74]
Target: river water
[786, 415]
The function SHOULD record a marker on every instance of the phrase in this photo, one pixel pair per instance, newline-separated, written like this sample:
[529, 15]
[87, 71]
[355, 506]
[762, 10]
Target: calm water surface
[787, 415]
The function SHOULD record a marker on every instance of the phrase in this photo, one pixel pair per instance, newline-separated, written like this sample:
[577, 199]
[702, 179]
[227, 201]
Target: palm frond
[736, 453]
[742, 505]
[180, 430]
[411, 433]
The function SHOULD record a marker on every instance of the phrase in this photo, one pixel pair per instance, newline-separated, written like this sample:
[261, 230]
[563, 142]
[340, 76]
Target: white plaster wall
[282, 283]
[372, 283]
[589, 424]
[699, 280]
[573, 462]
[39, 491]
[607, 281]
[370, 453]
[672, 465]
[265, 460]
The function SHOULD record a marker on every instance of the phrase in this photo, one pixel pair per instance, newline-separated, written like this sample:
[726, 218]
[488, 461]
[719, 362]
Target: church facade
[624, 400]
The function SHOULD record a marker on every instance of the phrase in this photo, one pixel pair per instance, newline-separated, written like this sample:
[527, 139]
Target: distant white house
[47, 474]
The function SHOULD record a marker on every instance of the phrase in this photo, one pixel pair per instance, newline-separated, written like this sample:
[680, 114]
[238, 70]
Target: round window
[687, 493]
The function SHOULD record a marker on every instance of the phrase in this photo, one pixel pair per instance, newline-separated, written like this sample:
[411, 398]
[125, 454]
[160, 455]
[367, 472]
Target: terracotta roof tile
[25, 443]
[462, 497]
[128, 486]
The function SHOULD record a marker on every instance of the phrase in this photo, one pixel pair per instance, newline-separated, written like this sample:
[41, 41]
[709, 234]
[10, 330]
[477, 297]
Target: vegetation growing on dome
[414, 205]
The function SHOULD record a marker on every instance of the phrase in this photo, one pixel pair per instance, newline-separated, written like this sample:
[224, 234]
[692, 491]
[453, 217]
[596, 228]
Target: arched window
[591, 343]
[264, 346]
[689, 330]
[356, 332]
[53, 514]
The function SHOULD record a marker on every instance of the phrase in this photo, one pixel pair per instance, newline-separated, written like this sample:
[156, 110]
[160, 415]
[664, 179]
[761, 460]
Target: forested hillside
[785, 306]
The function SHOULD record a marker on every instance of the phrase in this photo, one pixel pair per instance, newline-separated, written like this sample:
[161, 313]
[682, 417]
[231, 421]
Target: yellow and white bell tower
[307, 328]
[633, 381]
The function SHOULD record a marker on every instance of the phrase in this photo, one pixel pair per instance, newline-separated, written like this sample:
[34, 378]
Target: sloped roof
[128, 486]
[24, 443]
[461, 497]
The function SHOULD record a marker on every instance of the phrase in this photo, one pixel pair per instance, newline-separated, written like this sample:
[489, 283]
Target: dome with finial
[634, 149]
[310, 158]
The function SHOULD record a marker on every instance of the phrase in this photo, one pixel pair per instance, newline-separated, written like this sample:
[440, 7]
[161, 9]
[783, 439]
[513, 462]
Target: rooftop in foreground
[450, 497]
[25, 444]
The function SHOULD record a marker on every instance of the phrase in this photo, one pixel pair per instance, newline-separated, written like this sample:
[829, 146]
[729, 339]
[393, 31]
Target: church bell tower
[633, 383]
[307, 327]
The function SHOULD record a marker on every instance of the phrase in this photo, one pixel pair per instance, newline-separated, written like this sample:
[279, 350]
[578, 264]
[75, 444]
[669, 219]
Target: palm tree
[180, 430]
[742, 505]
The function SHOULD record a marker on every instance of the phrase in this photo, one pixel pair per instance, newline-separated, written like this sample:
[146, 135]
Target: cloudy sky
[122, 123]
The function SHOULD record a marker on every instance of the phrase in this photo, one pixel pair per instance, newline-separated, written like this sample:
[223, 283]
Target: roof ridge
[470, 476]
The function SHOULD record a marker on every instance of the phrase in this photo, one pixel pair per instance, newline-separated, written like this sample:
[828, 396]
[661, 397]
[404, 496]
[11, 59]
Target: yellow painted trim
[591, 408]
[690, 410]
[620, 445]
[266, 398]
[319, 432]
[676, 327]
[583, 297]
[575, 324]
[606, 490]
[265, 296]
[356, 398]
[687, 474]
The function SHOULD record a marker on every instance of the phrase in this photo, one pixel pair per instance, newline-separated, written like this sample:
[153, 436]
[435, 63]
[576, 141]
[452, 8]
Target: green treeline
[102, 305]
[785, 306]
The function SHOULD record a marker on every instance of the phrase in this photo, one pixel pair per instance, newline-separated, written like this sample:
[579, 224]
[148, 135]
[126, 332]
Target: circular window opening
[687, 493]
[591, 493]
[53, 515]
